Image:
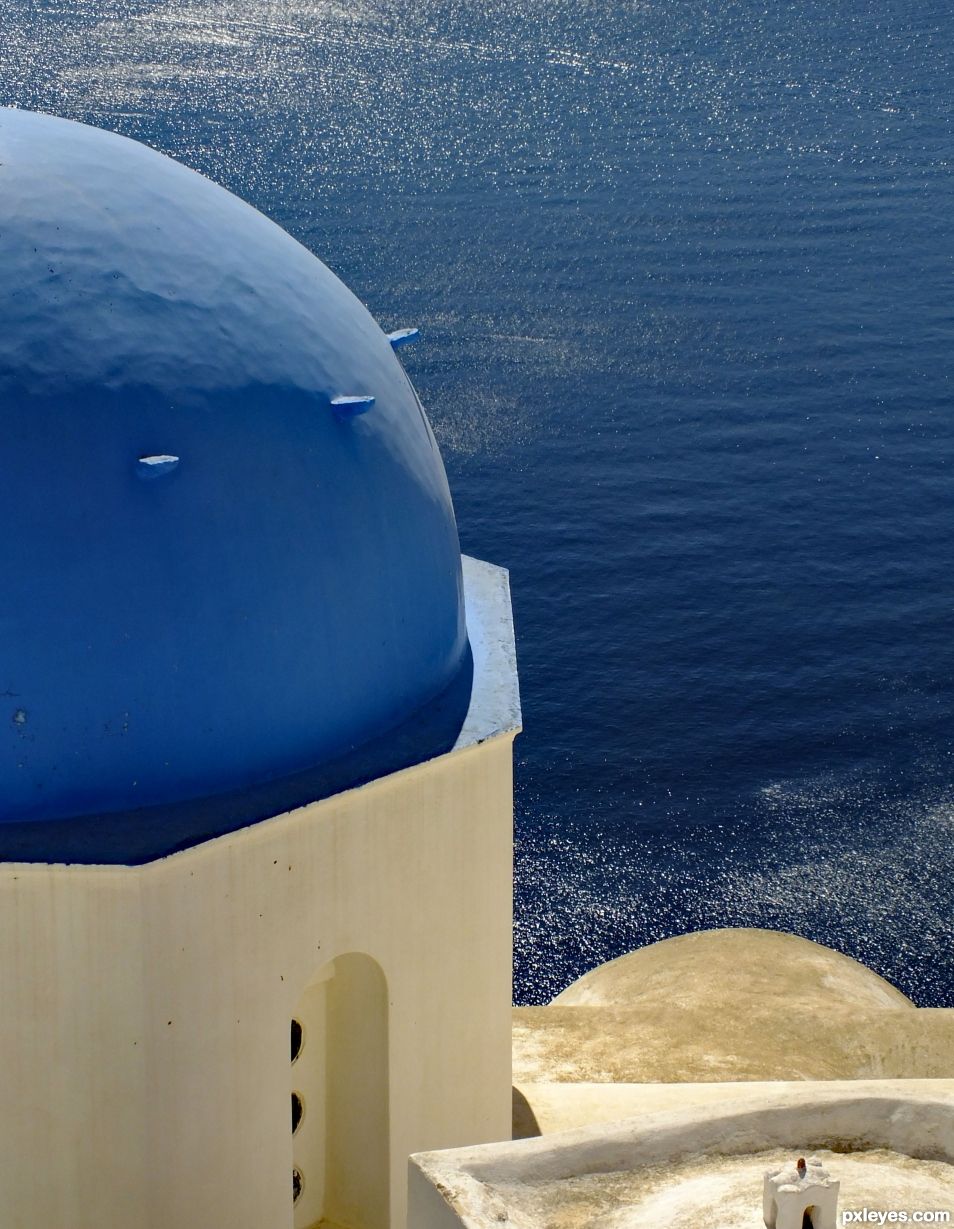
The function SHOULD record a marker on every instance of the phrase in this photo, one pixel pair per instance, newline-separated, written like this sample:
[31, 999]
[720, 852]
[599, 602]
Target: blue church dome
[230, 566]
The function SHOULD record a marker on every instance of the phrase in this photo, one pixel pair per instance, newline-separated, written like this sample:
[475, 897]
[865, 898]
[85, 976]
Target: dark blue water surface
[685, 274]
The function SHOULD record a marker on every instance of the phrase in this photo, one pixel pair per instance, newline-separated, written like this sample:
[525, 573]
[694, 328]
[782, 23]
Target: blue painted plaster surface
[283, 603]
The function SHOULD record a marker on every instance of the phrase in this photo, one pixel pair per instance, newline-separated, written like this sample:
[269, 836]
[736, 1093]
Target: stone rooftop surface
[545, 1109]
[721, 1193]
[756, 1040]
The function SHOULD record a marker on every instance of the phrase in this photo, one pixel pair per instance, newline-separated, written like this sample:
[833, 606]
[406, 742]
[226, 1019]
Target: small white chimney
[791, 1194]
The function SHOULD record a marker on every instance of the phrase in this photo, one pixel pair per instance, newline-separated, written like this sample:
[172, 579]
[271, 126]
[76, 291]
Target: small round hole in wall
[298, 1185]
[297, 1037]
[298, 1111]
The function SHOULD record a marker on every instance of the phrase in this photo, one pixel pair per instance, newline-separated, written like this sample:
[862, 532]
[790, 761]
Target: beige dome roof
[727, 1005]
[711, 966]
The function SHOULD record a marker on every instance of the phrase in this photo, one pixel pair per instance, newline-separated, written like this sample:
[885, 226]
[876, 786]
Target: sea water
[684, 273]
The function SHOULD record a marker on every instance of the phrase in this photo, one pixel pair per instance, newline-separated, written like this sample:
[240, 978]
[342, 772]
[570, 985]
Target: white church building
[256, 726]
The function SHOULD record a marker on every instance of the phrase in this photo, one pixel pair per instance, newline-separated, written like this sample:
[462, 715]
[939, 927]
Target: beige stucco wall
[145, 1012]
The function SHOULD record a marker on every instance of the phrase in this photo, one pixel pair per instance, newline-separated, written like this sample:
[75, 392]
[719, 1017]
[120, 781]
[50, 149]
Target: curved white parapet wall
[483, 1186]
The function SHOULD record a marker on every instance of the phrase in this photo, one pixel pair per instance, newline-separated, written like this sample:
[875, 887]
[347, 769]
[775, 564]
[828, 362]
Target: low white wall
[471, 1183]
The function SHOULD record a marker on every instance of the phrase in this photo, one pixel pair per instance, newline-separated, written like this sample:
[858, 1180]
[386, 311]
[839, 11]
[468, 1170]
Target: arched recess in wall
[340, 1101]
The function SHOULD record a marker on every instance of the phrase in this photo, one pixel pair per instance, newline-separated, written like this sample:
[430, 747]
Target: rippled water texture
[684, 274]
